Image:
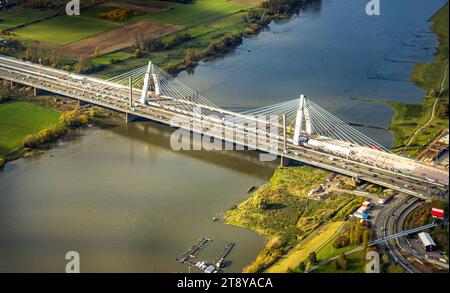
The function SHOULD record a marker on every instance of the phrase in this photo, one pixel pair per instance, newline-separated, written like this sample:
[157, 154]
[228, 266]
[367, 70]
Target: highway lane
[115, 97]
[387, 223]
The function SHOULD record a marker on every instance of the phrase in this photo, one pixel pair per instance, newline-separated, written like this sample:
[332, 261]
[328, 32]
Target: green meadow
[18, 119]
[202, 11]
[19, 16]
[65, 29]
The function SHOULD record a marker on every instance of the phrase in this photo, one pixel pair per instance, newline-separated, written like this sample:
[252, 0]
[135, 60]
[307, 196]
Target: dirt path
[433, 111]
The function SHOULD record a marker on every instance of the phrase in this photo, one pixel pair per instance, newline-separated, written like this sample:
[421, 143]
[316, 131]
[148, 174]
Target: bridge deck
[166, 110]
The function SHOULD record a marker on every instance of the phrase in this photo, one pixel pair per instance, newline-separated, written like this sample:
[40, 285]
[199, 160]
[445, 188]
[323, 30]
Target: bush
[341, 241]
[70, 119]
[73, 119]
[44, 136]
[313, 258]
[118, 14]
[343, 262]
[2, 162]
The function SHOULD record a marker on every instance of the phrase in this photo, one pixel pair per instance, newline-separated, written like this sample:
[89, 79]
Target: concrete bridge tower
[151, 82]
[303, 120]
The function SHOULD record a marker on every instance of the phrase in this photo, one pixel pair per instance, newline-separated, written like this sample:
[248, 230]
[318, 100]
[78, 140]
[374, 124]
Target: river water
[119, 195]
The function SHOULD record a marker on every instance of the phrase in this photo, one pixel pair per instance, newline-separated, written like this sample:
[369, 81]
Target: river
[117, 194]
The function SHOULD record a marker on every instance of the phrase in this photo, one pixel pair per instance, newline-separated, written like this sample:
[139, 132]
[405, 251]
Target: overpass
[403, 233]
[298, 129]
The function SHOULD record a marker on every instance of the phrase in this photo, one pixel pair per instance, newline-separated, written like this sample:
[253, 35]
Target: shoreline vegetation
[29, 125]
[416, 125]
[283, 211]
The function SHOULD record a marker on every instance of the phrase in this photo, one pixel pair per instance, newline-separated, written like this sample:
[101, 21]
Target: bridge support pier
[12, 85]
[82, 103]
[284, 162]
[130, 117]
[38, 92]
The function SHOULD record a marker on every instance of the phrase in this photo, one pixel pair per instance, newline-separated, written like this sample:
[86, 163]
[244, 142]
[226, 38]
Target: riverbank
[283, 212]
[415, 125]
[29, 124]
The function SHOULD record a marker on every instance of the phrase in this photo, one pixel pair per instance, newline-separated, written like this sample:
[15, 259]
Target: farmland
[18, 16]
[127, 27]
[202, 11]
[117, 38]
[65, 29]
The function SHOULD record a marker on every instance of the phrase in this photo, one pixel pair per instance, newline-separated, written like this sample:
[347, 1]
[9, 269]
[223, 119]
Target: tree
[313, 258]
[138, 53]
[358, 233]
[97, 51]
[190, 58]
[343, 262]
[302, 266]
[395, 269]
[83, 64]
[365, 240]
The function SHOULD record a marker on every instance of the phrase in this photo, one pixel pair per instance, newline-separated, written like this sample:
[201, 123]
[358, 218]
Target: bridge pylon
[303, 120]
[151, 83]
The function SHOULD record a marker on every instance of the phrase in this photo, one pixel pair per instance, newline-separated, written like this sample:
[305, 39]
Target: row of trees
[10, 46]
[355, 234]
[6, 94]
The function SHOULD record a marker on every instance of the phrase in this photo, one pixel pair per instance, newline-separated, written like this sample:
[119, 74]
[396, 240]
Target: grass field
[202, 36]
[202, 11]
[302, 250]
[328, 251]
[355, 261]
[106, 59]
[283, 211]
[18, 119]
[65, 29]
[18, 15]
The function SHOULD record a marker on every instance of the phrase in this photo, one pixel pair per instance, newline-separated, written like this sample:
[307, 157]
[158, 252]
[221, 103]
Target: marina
[190, 256]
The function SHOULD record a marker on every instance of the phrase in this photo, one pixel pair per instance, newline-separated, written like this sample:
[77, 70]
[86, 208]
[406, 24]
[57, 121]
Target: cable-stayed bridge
[298, 129]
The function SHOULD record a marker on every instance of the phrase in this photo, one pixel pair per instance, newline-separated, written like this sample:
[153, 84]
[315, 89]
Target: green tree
[313, 258]
[190, 58]
[83, 64]
[365, 240]
[394, 269]
[302, 266]
[358, 233]
[343, 262]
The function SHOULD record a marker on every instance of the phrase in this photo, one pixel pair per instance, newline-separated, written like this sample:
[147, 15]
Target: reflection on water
[126, 202]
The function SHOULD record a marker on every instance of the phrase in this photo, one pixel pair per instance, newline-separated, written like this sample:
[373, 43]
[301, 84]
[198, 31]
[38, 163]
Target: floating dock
[220, 259]
[191, 253]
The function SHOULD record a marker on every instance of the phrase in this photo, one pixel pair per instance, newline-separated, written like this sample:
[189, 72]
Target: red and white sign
[437, 213]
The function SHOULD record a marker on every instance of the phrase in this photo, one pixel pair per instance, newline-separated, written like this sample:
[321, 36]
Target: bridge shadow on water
[158, 136]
